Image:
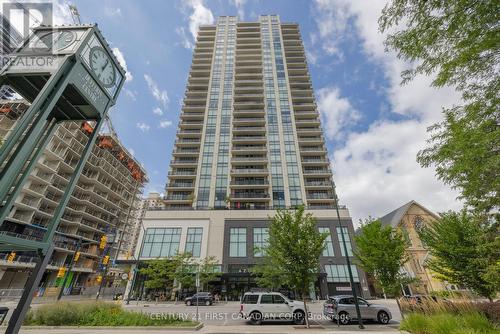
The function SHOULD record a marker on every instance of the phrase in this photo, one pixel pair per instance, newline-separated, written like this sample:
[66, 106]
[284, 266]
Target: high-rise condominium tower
[249, 142]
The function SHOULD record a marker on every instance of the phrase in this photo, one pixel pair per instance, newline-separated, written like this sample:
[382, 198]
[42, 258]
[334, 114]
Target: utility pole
[348, 261]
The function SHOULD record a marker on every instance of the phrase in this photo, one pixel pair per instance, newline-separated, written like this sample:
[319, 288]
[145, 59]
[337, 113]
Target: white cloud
[240, 7]
[143, 126]
[131, 94]
[376, 170]
[186, 41]
[131, 151]
[113, 12]
[165, 124]
[198, 15]
[123, 63]
[336, 112]
[157, 111]
[160, 95]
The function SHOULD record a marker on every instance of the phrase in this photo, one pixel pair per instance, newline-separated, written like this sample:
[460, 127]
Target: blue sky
[373, 126]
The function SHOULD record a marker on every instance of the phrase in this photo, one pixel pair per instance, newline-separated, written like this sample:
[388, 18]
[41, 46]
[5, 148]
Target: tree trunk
[305, 309]
[399, 307]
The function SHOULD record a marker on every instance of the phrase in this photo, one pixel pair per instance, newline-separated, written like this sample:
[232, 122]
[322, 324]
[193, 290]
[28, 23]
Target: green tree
[294, 248]
[268, 275]
[464, 251]
[208, 271]
[156, 274]
[458, 42]
[181, 270]
[381, 252]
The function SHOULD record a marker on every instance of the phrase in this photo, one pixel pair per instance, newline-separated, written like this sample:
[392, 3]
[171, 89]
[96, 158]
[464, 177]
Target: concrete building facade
[249, 142]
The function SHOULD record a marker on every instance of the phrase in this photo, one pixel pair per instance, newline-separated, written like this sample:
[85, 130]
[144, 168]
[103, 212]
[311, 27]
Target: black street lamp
[348, 261]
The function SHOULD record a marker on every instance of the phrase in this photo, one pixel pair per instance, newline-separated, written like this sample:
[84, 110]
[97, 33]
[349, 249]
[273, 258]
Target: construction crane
[74, 14]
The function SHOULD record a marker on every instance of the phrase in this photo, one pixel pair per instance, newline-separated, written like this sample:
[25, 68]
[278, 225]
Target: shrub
[491, 310]
[448, 323]
[415, 323]
[95, 314]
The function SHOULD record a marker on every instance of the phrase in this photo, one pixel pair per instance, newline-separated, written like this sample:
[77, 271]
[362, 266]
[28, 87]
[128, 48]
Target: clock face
[56, 40]
[102, 65]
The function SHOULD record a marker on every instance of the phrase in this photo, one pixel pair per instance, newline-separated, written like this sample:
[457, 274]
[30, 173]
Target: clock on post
[67, 73]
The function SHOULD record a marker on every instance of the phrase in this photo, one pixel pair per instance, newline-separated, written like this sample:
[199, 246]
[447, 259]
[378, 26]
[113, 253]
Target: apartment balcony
[250, 171]
[249, 196]
[245, 33]
[317, 172]
[249, 90]
[189, 133]
[320, 197]
[192, 115]
[181, 185]
[248, 130]
[185, 152]
[249, 139]
[238, 160]
[194, 108]
[187, 142]
[179, 199]
[318, 184]
[249, 112]
[249, 148]
[311, 140]
[253, 184]
[315, 161]
[181, 173]
[244, 121]
[191, 124]
[253, 82]
[301, 114]
[315, 130]
[309, 123]
[184, 162]
[249, 62]
[248, 98]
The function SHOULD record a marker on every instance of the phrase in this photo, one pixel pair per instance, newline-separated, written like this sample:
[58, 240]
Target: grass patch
[96, 314]
[448, 323]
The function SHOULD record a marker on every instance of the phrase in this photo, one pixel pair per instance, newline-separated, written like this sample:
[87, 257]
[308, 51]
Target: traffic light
[61, 272]
[11, 257]
[105, 259]
[77, 256]
[104, 240]
[99, 279]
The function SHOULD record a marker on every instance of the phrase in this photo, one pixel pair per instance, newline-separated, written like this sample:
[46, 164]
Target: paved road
[223, 318]
[227, 314]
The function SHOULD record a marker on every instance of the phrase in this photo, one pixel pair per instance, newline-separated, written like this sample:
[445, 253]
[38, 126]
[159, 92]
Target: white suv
[259, 306]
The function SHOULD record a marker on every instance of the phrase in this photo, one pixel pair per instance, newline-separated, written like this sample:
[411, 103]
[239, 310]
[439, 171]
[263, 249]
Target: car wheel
[188, 303]
[344, 318]
[383, 317]
[207, 303]
[255, 318]
[299, 318]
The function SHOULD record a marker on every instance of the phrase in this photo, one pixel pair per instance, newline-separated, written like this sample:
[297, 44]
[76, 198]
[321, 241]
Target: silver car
[343, 309]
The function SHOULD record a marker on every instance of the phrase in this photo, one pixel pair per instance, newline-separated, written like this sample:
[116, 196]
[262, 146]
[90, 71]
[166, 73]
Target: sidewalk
[264, 329]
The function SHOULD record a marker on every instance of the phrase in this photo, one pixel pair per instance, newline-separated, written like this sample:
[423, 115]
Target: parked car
[343, 309]
[203, 298]
[260, 306]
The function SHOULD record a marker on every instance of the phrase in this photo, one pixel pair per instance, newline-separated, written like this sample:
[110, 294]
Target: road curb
[138, 328]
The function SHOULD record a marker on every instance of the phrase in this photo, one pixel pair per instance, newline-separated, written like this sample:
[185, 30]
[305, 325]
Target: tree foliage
[381, 252]
[156, 274]
[464, 251]
[208, 271]
[293, 252]
[181, 269]
[458, 42]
